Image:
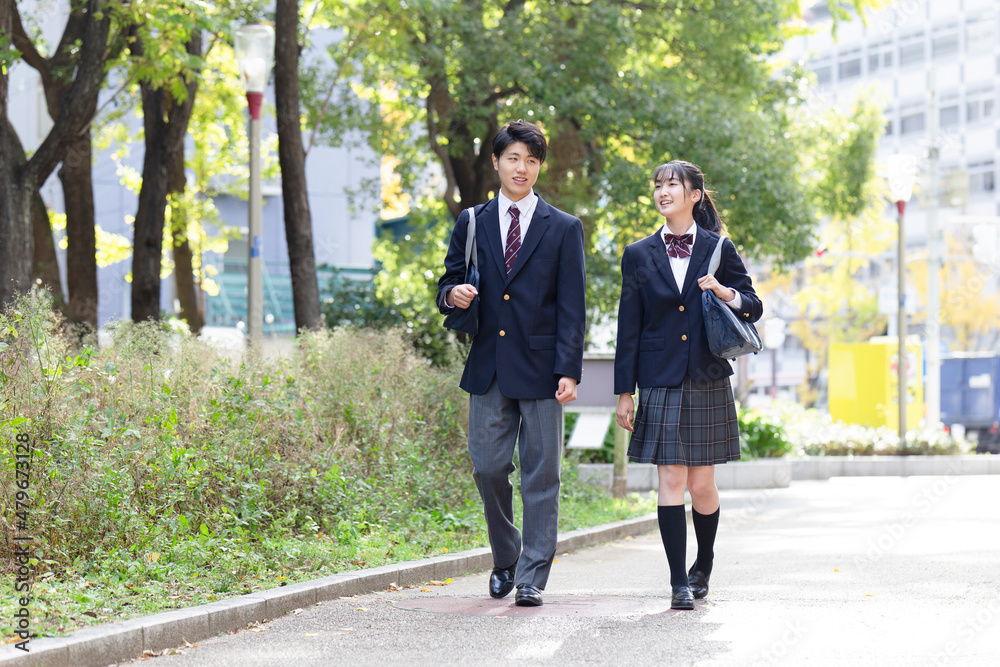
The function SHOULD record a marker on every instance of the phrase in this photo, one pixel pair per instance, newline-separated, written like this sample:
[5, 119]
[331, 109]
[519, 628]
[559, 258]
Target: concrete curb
[118, 642]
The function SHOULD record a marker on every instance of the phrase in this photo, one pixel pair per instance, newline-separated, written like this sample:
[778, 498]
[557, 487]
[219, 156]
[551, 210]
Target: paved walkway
[862, 571]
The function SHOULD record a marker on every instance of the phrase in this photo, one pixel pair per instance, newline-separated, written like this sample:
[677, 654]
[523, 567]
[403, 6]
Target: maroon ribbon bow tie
[679, 245]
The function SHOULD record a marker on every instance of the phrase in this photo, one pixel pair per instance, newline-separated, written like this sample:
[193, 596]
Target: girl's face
[673, 198]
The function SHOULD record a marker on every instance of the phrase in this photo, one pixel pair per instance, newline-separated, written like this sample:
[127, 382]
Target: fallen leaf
[296, 612]
[837, 570]
[425, 590]
[310, 634]
[348, 597]
[435, 582]
[393, 586]
[362, 608]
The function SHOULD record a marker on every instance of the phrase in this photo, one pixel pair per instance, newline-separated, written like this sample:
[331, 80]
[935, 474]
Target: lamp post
[255, 54]
[774, 338]
[902, 174]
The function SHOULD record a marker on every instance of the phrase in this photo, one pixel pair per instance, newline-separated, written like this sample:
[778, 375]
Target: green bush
[812, 432]
[761, 436]
[165, 473]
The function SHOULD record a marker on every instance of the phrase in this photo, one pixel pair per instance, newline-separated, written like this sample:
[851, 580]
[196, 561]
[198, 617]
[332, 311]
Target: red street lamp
[255, 54]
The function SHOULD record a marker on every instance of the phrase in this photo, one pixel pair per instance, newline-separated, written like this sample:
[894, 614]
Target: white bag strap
[470, 241]
[713, 264]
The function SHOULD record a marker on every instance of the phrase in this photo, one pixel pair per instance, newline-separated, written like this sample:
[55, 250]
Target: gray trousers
[536, 425]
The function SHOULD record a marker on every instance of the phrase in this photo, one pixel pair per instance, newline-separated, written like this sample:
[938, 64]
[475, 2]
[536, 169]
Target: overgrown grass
[165, 474]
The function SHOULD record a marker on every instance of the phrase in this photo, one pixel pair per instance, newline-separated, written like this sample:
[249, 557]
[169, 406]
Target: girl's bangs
[668, 171]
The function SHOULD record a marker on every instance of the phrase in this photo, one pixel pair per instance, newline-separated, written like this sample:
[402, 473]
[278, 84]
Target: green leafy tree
[619, 86]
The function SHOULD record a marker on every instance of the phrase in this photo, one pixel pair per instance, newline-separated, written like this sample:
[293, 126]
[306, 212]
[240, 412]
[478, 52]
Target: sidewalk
[865, 571]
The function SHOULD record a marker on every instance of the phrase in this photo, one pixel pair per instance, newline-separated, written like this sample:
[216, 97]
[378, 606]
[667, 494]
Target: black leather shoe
[502, 581]
[698, 581]
[682, 598]
[528, 596]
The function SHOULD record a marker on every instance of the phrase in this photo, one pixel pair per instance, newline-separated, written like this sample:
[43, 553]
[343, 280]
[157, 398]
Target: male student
[527, 359]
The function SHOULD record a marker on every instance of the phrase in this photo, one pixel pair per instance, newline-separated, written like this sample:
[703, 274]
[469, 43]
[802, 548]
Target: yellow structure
[863, 381]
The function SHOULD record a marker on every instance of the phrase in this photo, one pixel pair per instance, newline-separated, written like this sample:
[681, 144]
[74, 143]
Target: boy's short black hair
[523, 131]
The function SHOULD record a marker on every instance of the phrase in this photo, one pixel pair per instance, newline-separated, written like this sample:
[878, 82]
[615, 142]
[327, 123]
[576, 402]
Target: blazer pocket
[651, 344]
[542, 342]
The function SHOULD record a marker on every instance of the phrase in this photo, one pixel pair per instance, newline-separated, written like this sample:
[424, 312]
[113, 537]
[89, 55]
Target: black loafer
[682, 598]
[502, 581]
[698, 581]
[528, 596]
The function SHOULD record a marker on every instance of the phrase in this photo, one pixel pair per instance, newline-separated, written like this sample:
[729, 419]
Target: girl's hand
[625, 412]
[710, 283]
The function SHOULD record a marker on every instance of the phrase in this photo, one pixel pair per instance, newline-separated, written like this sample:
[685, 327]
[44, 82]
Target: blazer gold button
[681, 309]
[506, 297]
[684, 337]
[503, 333]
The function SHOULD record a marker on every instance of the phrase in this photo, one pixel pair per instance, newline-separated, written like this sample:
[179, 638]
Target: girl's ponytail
[705, 214]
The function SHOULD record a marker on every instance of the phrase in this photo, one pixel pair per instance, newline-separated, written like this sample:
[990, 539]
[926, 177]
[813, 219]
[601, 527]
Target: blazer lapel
[659, 253]
[698, 266]
[539, 223]
[488, 227]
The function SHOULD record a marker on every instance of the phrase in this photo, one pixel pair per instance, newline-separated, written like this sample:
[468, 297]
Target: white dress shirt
[679, 265]
[526, 208]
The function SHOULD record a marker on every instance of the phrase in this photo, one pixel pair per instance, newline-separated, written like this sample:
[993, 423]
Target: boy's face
[518, 170]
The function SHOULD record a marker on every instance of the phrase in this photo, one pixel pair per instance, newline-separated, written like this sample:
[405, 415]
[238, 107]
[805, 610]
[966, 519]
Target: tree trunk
[187, 293]
[147, 244]
[81, 234]
[20, 179]
[165, 122]
[292, 157]
[45, 264]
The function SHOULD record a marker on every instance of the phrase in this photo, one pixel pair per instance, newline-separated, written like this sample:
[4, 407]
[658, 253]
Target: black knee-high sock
[673, 532]
[705, 528]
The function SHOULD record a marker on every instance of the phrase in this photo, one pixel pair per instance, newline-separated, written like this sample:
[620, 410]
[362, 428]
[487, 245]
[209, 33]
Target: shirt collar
[692, 230]
[525, 206]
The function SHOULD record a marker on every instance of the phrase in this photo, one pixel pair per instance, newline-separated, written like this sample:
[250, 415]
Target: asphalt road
[862, 571]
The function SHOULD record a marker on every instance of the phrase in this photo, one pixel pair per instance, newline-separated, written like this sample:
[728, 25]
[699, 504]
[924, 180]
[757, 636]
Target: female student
[686, 419]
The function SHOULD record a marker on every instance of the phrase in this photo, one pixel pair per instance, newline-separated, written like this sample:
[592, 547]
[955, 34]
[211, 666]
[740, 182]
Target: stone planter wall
[779, 473]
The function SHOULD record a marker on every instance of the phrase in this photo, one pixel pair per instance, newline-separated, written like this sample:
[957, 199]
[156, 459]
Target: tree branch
[27, 48]
[329, 95]
[442, 153]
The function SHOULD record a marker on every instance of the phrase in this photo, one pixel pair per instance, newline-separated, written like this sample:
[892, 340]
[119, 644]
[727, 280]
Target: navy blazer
[532, 323]
[661, 328]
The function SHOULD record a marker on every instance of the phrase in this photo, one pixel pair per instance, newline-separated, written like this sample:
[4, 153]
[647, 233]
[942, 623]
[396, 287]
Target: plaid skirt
[691, 425]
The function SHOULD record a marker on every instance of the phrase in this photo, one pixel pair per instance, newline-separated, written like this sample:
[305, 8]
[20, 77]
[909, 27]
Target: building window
[879, 56]
[911, 121]
[980, 105]
[982, 177]
[948, 116]
[980, 34]
[849, 65]
[888, 127]
[823, 70]
[945, 42]
[911, 49]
